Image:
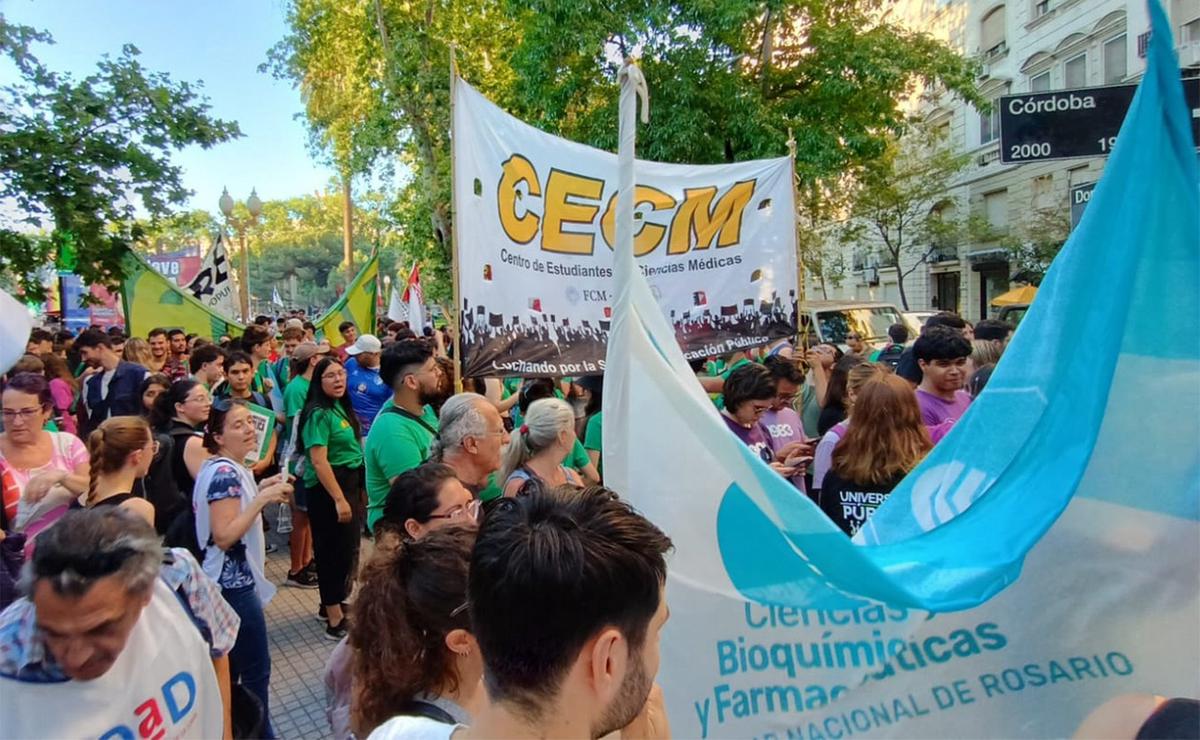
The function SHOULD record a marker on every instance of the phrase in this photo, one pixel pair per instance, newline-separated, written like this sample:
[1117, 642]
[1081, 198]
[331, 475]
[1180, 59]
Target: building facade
[1024, 46]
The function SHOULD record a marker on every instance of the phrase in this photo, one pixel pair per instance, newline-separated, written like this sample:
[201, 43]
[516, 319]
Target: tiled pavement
[299, 652]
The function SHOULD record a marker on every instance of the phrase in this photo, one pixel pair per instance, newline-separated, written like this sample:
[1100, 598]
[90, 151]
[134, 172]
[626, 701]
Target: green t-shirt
[329, 428]
[490, 491]
[593, 435]
[294, 396]
[395, 444]
[577, 458]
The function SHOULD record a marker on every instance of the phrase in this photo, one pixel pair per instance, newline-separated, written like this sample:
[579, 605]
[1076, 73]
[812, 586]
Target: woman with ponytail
[121, 450]
[538, 447]
[412, 652]
[181, 413]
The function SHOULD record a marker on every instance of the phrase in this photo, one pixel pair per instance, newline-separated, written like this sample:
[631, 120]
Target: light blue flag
[1034, 576]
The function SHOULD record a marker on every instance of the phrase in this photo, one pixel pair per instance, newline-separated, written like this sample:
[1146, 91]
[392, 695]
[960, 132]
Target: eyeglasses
[471, 511]
[23, 414]
[337, 375]
[460, 609]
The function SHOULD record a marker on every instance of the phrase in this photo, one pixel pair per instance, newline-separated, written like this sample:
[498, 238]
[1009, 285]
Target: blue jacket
[367, 392]
[124, 396]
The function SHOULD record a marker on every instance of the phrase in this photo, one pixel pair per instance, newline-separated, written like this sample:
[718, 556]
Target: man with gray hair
[470, 438]
[114, 637]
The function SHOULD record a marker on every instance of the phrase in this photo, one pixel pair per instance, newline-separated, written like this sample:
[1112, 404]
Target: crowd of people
[497, 554]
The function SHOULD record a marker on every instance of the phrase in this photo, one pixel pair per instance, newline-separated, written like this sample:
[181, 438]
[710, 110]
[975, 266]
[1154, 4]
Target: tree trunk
[900, 286]
[347, 229]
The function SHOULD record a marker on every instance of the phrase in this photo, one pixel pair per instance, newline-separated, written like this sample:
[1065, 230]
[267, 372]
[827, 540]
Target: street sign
[1065, 124]
[1080, 196]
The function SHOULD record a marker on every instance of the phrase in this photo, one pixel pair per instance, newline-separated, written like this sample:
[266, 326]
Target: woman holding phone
[750, 391]
[228, 505]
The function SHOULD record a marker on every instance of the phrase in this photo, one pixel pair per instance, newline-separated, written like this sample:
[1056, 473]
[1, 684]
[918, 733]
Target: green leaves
[79, 157]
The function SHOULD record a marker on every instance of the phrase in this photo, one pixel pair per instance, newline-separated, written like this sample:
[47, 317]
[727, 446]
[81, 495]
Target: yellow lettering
[698, 216]
[517, 170]
[650, 235]
[560, 188]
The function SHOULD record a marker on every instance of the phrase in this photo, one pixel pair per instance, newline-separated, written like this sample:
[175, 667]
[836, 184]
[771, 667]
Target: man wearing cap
[367, 390]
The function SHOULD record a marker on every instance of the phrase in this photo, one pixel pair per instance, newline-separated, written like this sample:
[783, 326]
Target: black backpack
[180, 529]
[890, 355]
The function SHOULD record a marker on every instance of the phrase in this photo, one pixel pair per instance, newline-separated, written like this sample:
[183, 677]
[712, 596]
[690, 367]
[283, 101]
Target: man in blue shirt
[367, 391]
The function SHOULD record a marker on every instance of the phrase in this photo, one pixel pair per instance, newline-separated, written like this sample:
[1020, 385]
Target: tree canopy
[79, 157]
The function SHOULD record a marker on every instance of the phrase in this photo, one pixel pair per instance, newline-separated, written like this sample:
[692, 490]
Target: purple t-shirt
[784, 427]
[754, 437]
[936, 411]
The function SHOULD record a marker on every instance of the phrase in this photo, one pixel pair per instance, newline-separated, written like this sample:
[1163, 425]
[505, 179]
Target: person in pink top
[942, 354]
[781, 420]
[63, 389]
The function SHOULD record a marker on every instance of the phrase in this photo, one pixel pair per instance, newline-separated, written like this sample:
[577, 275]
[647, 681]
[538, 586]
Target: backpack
[890, 355]
[181, 530]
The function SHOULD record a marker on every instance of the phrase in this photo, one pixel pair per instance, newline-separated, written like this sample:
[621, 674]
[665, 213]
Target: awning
[1016, 296]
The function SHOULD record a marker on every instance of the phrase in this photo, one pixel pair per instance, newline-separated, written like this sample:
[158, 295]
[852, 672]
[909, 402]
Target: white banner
[213, 285]
[535, 219]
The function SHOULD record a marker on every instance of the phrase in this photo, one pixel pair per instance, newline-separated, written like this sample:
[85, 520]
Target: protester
[153, 386]
[781, 421]
[890, 354]
[942, 355]
[349, 334]
[856, 344]
[834, 408]
[907, 367]
[823, 455]
[40, 342]
[302, 573]
[403, 432]
[994, 330]
[178, 342]
[978, 381]
[256, 342]
[593, 421]
[577, 458]
[537, 449]
[445, 384]
[412, 652]
[207, 363]
[565, 592]
[292, 337]
[28, 364]
[107, 621]
[883, 443]
[138, 352]
[114, 390]
[423, 499]
[181, 413]
[471, 439]
[749, 392]
[228, 505]
[239, 375]
[367, 390]
[984, 352]
[329, 434]
[120, 451]
[63, 388]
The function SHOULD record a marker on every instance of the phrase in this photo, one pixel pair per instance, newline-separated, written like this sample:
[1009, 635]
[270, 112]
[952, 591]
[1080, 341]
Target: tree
[79, 157]
[1037, 242]
[901, 210]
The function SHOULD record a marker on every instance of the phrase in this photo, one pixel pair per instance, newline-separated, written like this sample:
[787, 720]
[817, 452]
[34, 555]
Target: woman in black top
[181, 412]
[833, 411]
[121, 450]
[886, 440]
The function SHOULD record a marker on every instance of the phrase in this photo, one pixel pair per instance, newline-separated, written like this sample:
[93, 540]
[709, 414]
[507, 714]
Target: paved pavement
[299, 652]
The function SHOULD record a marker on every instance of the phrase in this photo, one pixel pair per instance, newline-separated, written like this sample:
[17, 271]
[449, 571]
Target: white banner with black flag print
[535, 225]
[213, 284]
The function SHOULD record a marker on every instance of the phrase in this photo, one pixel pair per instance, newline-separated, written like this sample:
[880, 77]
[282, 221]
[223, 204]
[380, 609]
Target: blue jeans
[250, 659]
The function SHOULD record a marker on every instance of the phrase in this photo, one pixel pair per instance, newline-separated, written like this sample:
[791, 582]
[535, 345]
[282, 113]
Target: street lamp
[254, 206]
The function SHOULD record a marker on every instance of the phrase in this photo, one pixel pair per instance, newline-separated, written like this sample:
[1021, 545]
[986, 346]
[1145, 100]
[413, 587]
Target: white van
[831, 321]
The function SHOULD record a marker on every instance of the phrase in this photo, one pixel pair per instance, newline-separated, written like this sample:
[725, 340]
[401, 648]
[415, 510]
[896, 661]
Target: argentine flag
[1036, 575]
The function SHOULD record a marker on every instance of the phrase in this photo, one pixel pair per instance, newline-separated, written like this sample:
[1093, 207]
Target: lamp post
[254, 206]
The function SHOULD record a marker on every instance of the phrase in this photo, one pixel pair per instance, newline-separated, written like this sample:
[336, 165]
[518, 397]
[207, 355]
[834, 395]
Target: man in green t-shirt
[402, 433]
[301, 572]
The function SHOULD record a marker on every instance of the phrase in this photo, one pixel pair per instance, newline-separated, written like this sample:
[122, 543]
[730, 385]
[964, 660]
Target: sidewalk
[299, 652]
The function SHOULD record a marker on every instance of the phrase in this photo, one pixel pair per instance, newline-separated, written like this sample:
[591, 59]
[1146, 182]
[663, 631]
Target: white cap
[365, 343]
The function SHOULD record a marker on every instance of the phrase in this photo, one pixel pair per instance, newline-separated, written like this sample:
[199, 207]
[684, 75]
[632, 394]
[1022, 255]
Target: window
[1040, 82]
[1190, 32]
[1040, 8]
[1043, 191]
[1075, 72]
[991, 33]
[989, 124]
[1114, 60]
[995, 208]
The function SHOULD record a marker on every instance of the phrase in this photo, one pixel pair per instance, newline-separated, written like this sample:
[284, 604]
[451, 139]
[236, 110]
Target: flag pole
[455, 319]
[801, 278]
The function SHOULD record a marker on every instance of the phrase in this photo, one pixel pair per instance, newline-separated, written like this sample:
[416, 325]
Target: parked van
[831, 321]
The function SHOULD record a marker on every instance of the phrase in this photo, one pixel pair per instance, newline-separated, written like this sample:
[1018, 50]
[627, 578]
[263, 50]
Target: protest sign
[534, 231]
[264, 430]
